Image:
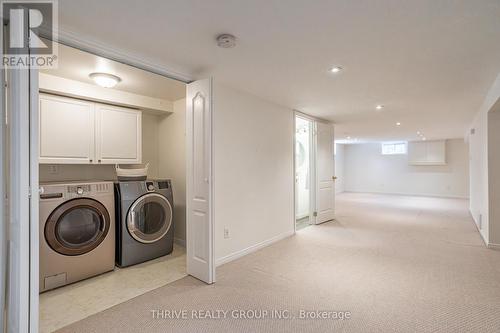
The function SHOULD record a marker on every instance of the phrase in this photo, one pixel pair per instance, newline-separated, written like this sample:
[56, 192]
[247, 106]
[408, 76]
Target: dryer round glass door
[77, 226]
[149, 218]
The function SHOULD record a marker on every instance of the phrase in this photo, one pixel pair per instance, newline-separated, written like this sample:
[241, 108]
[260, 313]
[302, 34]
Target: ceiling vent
[226, 41]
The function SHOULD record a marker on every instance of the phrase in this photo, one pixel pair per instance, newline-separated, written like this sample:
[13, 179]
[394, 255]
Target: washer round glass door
[149, 218]
[77, 226]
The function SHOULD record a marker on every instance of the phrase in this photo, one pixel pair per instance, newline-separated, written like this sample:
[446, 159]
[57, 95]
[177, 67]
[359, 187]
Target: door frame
[30, 124]
[312, 167]
[312, 164]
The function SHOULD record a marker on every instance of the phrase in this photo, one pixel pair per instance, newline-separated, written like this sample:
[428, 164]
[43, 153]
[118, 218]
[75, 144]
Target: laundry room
[112, 170]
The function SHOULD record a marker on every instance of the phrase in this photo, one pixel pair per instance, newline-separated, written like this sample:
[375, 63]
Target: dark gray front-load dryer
[144, 215]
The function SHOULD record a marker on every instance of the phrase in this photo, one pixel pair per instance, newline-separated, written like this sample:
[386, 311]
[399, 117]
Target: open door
[199, 221]
[325, 171]
[20, 186]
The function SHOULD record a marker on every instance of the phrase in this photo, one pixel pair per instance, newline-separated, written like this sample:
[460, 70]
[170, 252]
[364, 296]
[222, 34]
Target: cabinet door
[436, 152]
[417, 152]
[118, 135]
[66, 130]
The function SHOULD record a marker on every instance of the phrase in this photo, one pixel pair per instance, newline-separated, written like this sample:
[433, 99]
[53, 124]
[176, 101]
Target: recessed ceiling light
[348, 138]
[424, 138]
[335, 69]
[379, 107]
[105, 80]
[398, 124]
[418, 132]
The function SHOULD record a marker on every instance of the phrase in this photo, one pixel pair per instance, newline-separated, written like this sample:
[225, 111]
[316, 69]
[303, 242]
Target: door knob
[334, 178]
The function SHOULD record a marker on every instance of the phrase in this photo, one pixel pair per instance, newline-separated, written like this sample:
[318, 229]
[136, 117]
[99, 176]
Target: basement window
[393, 148]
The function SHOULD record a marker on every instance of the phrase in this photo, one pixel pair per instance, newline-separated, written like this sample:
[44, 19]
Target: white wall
[339, 168]
[494, 174]
[478, 164]
[367, 170]
[479, 182]
[172, 162]
[69, 172]
[253, 172]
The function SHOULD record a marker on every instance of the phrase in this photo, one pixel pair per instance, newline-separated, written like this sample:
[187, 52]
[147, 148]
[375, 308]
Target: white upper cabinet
[66, 130]
[427, 152]
[74, 131]
[119, 135]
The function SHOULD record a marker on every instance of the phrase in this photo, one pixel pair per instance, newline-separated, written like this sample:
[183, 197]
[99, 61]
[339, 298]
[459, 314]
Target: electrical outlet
[226, 232]
[53, 169]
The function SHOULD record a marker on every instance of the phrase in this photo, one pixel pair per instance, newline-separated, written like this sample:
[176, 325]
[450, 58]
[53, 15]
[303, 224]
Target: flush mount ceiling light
[105, 80]
[335, 69]
[379, 107]
[226, 41]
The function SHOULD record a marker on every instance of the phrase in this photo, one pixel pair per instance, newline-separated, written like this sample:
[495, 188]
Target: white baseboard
[180, 241]
[253, 248]
[494, 246]
[476, 224]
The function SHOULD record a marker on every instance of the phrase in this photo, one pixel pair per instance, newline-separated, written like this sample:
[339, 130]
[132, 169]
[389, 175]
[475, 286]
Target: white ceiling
[77, 65]
[429, 62]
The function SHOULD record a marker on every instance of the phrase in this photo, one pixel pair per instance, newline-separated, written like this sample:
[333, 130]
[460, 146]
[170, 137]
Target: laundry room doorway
[74, 126]
[304, 176]
[314, 165]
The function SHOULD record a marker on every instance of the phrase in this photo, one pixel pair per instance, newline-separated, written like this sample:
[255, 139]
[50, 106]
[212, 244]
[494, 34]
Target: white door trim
[312, 168]
[3, 219]
[34, 202]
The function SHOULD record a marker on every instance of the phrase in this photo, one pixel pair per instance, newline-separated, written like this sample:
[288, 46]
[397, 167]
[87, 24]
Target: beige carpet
[398, 264]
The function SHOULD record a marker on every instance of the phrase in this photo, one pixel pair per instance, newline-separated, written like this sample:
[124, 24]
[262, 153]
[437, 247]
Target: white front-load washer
[77, 232]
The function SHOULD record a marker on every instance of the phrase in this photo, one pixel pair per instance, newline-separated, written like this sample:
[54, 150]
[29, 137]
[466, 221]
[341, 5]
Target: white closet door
[19, 245]
[199, 224]
[118, 135]
[325, 186]
[66, 130]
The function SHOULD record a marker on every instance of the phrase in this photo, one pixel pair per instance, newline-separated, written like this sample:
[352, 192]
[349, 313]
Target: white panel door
[199, 224]
[19, 141]
[66, 130]
[325, 188]
[118, 135]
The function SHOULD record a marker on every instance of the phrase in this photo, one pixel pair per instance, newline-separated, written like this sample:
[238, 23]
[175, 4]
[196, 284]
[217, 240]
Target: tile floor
[302, 223]
[68, 304]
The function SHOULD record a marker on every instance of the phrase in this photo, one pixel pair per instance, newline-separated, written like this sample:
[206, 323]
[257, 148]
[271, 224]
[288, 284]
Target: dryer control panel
[150, 186]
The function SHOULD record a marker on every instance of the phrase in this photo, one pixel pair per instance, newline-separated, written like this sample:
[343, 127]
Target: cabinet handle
[99, 161]
[90, 160]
